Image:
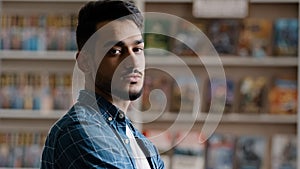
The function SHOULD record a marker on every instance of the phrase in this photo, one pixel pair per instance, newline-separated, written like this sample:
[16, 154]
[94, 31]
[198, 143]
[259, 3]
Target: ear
[82, 61]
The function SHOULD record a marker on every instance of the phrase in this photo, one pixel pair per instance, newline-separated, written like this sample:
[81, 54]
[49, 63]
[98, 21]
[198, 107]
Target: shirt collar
[109, 111]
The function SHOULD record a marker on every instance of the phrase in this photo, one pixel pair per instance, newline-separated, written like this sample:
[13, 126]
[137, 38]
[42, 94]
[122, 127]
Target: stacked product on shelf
[269, 88]
[35, 91]
[224, 150]
[38, 32]
[249, 93]
[21, 149]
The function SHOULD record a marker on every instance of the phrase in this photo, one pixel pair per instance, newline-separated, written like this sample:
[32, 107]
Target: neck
[119, 103]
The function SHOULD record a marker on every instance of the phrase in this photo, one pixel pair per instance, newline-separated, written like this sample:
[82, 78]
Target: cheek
[143, 61]
[105, 70]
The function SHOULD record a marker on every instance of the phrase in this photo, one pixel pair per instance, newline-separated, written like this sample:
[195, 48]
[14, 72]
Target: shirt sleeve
[89, 146]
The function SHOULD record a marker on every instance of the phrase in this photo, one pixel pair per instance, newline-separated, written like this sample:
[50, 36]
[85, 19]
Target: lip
[132, 77]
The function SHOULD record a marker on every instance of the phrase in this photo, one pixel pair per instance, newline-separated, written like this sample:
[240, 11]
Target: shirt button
[121, 115]
[109, 118]
[126, 141]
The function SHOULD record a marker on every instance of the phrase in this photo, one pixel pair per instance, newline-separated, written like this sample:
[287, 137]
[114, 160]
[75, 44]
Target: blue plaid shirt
[92, 135]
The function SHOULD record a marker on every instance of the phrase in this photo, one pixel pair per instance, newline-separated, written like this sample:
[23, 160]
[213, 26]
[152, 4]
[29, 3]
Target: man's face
[121, 71]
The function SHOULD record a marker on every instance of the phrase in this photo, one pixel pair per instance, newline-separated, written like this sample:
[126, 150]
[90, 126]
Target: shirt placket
[119, 129]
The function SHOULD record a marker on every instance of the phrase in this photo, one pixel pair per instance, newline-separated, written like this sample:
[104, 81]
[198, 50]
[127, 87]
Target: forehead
[118, 30]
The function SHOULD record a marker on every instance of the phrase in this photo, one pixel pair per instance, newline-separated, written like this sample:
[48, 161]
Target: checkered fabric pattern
[93, 135]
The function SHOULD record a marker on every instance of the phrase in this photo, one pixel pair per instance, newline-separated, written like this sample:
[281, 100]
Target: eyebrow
[121, 43]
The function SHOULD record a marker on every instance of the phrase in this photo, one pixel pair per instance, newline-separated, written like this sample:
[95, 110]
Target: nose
[131, 60]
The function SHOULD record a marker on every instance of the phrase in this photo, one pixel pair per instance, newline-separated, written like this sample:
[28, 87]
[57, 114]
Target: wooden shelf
[44, 1]
[36, 55]
[159, 60]
[251, 1]
[226, 118]
[17, 168]
[162, 1]
[225, 60]
[236, 66]
[167, 116]
[31, 114]
[274, 1]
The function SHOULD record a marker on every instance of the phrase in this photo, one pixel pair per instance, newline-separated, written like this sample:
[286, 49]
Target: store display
[189, 151]
[21, 149]
[251, 152]
[255, 38]
[284, 151]
[283, 97]
[37, 32]
[251, 57]
[220, 151]
[253, 95]
[184, 94]
[224, 35]
[286, 36]
[220, 95]
[35, 91]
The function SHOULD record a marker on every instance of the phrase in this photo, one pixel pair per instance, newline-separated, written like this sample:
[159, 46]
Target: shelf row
[161, 117]
[18, 168]
[251, 1]
[160, 60]
[162, 1]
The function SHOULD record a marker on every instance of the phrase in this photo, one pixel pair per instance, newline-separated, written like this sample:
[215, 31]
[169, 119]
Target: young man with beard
[96, 133]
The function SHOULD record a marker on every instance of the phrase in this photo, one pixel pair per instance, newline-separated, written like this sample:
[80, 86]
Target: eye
[114, 51]
[137, 50]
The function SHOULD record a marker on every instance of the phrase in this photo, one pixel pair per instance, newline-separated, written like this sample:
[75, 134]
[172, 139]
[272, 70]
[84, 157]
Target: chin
[128, 94]
[135, 96]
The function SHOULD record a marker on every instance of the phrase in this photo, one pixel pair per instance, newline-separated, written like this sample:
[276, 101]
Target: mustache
[130, 71]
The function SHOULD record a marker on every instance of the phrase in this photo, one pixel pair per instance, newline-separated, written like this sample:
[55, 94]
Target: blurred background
[255, 40]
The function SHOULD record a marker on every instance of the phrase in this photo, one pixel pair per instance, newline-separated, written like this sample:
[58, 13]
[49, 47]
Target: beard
[116, 92]
[127, 95]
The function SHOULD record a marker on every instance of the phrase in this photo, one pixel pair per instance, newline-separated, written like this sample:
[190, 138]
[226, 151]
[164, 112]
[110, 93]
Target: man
[96, 132]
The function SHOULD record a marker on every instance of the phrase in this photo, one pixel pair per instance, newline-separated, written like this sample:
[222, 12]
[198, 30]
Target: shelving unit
[63, 61]
[227, 118]
[236, 123]
[31, 114]
[226, 61]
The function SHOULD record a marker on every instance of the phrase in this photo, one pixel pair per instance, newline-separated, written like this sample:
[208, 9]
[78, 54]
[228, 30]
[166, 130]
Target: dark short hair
[95, 12]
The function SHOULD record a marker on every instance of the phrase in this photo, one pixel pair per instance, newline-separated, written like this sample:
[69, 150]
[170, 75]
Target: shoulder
[78, 123]
[80, 131]
[78, 120]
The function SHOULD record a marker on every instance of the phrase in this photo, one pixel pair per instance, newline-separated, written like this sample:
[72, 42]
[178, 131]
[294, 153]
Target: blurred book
[21, 149]
[18, 149]
[184, 94]
[189, 151]
[286, 37]
[62, 85]
[4, 150]
[220, 95]
[255, 38]
[283, 96]
[32, 150]
[250, 152]
[253, 94]
[224, 35]
[220, 151]
[35, 91]
[37, 32]
[189, 39]
[284, 151]
[156, 40]
[157, 91]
